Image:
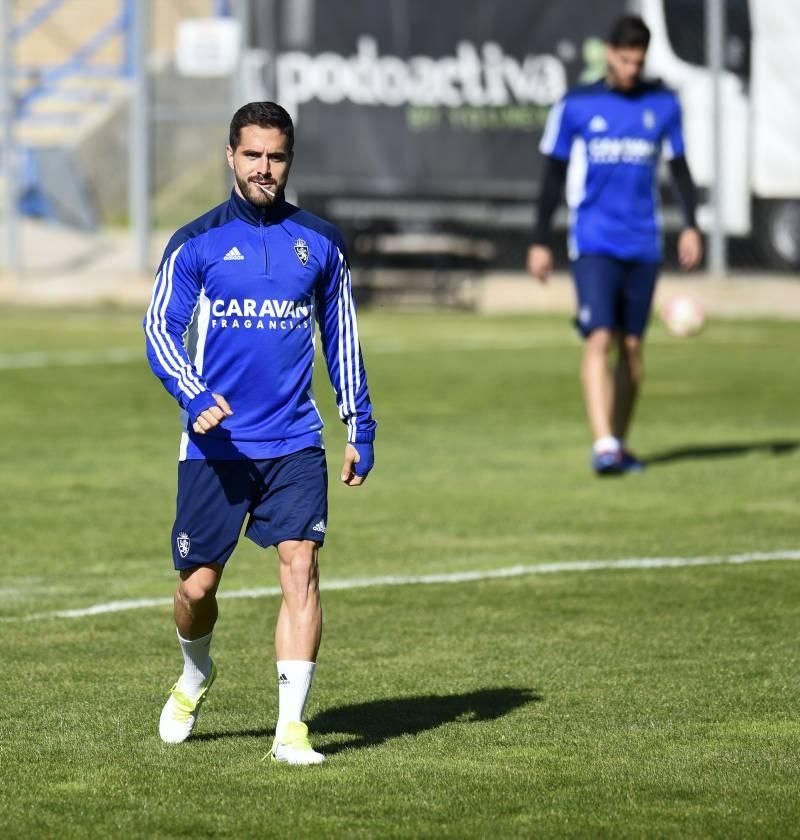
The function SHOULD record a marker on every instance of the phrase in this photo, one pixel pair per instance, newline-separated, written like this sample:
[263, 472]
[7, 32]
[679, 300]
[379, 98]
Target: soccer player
[611, 133]
[231, 334]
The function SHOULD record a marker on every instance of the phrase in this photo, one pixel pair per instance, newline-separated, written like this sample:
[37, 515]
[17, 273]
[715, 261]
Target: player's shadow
[238, 733]
[376, 721]
[724, 450]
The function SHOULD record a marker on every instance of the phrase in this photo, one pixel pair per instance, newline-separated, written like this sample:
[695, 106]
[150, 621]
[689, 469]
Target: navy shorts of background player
[613, 294]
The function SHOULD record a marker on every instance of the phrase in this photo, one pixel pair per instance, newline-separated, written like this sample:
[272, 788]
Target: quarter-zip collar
[253, 215]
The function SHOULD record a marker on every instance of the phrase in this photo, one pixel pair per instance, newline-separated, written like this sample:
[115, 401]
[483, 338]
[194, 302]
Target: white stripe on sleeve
[152, 329]
[189, 374]
[348, 336]
[351, 348]
[551, 129]
[340, 350]
[354, 322]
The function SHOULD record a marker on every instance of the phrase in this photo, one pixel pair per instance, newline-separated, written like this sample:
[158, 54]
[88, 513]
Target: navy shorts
[614, 294]
[286, 498]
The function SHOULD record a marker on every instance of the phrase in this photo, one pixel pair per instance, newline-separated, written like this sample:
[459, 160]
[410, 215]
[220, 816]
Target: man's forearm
[553, 177]
[684, 187]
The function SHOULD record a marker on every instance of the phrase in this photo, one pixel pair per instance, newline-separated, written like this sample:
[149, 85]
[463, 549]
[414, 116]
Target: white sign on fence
[207, 46]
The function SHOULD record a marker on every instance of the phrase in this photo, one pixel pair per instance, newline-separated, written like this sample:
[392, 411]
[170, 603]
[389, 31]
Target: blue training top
[233, 311]
[613, 140]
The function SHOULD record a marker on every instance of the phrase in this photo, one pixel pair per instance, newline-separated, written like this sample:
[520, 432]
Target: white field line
[69, 358]
[443, 578]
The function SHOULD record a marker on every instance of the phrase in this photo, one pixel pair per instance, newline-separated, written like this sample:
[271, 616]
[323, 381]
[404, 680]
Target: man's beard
[254, 194]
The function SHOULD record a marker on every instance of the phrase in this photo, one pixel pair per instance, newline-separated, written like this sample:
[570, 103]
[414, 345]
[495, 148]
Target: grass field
[618, 702]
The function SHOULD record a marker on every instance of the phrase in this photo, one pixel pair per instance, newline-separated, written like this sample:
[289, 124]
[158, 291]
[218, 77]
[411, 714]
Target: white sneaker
[179, 714]
[294, 746]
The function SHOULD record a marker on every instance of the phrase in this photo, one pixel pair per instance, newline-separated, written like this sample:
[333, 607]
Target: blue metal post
[7, 111]
[139, 138]
[126, 17]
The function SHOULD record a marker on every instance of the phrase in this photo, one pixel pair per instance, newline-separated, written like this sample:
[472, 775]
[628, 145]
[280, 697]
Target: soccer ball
[683, 316]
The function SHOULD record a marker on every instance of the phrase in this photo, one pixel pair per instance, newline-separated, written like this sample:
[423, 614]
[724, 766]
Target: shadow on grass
[376, 721]
[726, 450]
[379, 720]
[239, 733]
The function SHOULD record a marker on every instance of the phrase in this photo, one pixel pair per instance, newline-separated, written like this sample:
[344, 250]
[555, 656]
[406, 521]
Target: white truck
[760, 97]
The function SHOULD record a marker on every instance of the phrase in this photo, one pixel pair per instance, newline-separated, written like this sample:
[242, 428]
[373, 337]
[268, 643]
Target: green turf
[609, 703]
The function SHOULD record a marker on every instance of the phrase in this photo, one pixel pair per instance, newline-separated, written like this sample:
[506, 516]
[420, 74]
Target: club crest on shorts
[184, 543]
[301, 249]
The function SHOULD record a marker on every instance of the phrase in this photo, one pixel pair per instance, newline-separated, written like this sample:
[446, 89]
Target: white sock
[196, 664]
[294, 682]
[607, 444]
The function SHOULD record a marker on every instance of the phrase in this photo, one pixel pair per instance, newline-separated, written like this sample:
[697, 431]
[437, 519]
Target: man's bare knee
[299, 568]
[631, 345]
[599, 342]
[631, 349]
[199, 584]
[630, 358]
[299, 557]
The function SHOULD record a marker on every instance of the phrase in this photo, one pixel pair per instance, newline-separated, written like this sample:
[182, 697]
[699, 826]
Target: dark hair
[264, 115]
[629, 31]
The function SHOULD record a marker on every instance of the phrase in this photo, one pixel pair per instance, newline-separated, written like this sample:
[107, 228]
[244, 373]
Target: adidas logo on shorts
[320, 527]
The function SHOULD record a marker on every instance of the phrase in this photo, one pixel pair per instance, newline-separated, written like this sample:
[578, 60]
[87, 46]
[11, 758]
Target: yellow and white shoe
[179, 714]
[293, 747]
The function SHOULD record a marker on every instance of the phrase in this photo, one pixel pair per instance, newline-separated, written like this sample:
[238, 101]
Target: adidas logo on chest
[233, 254]
[598, 124]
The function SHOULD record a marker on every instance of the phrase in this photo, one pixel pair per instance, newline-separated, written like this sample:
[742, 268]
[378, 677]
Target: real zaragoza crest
[183, 543]
[301, 249]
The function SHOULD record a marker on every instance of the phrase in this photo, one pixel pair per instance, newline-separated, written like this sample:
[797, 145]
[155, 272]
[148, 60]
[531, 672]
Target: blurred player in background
[612, 133]
[231, 334]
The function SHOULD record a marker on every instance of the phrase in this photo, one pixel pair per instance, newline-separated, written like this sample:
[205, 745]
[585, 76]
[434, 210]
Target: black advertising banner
[428, 98]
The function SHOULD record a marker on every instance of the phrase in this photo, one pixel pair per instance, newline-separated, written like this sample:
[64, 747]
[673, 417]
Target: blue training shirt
[233, 311]
[613, 140]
